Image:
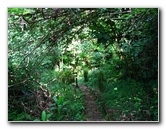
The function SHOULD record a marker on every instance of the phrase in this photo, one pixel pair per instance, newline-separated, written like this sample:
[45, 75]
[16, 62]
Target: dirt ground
[92, 111]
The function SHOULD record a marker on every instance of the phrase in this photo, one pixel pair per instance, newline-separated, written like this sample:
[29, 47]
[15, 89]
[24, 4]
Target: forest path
[92, 111]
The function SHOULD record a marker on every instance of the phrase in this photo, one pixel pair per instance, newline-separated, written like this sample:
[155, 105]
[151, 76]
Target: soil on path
[92, 111]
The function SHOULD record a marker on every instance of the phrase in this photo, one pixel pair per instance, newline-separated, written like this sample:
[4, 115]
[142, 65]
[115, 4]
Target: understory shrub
[129, 101]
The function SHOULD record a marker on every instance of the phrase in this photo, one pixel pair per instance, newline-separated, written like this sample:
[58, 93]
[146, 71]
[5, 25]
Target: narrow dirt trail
[92, 111]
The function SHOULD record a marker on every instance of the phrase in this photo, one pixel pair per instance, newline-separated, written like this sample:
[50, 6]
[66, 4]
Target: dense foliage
[114, 51]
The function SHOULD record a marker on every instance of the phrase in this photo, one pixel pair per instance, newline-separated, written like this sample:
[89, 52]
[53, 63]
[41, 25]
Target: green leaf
[49, 115]
[44, 115]
[65, 57]
[55, 99]
[115, 88]
[60, 100]
[60, 117]
[106, 36]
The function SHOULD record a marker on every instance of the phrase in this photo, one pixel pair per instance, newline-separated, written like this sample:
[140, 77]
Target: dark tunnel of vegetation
[111, 50]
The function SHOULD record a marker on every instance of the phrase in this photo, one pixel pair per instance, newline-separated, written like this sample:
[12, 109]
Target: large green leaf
[44, 116]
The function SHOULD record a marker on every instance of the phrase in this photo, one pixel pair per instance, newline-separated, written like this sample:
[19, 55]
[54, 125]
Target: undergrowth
[125, 99]
[52, 100]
